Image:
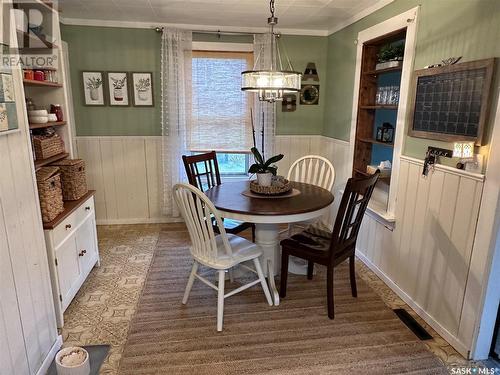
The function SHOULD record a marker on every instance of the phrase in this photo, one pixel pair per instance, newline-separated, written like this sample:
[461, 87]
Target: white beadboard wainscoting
[424, 258]
[126, 172]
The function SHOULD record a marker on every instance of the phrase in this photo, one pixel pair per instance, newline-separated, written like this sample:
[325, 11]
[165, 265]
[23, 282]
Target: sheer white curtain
[176, 49]
[264, 112]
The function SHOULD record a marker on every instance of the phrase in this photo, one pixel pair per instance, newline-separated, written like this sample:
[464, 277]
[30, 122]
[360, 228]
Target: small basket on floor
[74, 182]
[48, 180]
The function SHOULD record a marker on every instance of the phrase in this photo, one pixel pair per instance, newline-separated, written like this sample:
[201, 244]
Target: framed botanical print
[93, 88]
[142, 86]
[118, 89]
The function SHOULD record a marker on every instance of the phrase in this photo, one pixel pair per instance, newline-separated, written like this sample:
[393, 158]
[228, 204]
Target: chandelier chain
[271, 7]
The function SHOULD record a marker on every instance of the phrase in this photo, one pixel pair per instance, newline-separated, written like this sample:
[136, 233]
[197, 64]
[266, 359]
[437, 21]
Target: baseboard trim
[160, 220]
[50, 356]
[443, 332]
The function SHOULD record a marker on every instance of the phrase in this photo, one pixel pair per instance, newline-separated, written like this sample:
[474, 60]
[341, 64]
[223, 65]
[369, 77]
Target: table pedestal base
[267, 237]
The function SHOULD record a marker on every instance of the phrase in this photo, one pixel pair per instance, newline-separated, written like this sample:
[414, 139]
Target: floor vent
[412, 324]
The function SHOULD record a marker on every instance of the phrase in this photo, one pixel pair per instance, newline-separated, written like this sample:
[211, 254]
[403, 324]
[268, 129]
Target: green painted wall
[119, 49]
[307, 119]
[113, 49]
[468, 28]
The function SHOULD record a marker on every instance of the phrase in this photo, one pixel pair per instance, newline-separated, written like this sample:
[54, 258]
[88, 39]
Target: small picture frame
[142, 88]
[118, 89]
[93, 88]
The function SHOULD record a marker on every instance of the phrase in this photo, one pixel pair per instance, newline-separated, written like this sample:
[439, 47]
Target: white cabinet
[73, 251]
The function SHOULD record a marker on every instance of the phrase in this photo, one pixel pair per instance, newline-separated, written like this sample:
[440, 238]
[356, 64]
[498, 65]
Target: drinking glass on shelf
[384, 98]
[395, 95]
[378, 96]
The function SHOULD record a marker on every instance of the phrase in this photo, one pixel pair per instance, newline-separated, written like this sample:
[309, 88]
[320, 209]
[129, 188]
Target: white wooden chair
[314, 170]
[220, 252]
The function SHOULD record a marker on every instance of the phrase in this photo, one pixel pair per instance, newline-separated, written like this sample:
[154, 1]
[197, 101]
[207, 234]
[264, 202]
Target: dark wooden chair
[203, 172]
[318, 245]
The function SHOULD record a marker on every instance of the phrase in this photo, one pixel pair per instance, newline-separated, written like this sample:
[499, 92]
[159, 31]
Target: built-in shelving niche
[371, 115]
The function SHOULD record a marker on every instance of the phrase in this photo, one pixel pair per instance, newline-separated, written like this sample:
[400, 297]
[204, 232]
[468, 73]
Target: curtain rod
[217, 32]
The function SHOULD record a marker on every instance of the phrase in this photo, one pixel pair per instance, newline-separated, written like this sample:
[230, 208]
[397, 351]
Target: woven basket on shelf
[48, 181]
[46, 147]
[74, 183]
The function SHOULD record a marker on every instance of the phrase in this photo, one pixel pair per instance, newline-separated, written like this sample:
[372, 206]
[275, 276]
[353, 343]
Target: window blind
[220, 110]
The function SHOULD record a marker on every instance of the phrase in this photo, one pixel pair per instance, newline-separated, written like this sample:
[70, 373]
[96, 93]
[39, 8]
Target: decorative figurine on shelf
[385, 133]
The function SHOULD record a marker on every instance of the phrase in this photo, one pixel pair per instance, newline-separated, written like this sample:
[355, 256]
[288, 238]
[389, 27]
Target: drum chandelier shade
[273, 82]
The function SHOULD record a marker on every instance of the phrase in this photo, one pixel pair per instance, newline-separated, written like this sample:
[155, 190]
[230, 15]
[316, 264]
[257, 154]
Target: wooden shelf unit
[43, 162]
[32, 82]
[47, 125]
[381, 71]
[379, 106]
[367, 110]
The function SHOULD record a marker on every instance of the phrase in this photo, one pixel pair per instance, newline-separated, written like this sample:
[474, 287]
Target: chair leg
[310, 270]
[263, 281]
[253, 233]
[231, 275]
[284, 273]
[190, 282]
[329, 291]
[220, 300]
[352, 274]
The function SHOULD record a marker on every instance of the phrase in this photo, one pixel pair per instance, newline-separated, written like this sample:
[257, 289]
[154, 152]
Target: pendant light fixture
[275, 80]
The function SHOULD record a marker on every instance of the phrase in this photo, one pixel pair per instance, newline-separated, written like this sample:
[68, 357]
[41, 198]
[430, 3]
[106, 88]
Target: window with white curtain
[220, 110]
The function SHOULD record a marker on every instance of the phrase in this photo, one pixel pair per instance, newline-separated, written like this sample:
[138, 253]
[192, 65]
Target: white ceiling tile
[294, 14]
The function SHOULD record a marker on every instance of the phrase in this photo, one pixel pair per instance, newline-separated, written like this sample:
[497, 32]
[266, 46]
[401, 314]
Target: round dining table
[235, 201]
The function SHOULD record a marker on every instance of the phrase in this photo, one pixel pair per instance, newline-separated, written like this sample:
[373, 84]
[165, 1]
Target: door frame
[408, 20]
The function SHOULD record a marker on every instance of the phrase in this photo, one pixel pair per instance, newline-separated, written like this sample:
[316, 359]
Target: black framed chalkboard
[450, 103]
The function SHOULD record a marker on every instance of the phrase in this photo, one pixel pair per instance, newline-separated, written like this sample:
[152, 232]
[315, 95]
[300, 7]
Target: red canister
[57, 110]
[39, 75]
[28, 74]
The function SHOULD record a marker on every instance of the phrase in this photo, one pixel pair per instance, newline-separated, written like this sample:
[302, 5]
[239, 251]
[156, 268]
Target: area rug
[295, 337]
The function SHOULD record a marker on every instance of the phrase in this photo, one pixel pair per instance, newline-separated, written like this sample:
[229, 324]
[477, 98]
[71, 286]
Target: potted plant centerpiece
[264, 169]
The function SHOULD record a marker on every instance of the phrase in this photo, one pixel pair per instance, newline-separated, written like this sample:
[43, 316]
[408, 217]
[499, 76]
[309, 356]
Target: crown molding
[365, 12]
[195, 28]
[251, 30]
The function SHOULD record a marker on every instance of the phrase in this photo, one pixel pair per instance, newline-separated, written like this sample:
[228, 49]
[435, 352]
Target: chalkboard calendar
[450, 102]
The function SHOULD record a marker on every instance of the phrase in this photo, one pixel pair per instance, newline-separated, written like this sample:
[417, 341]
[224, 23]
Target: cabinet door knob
[87, 208]
[84, 251]
[68, 226]
[80, 254]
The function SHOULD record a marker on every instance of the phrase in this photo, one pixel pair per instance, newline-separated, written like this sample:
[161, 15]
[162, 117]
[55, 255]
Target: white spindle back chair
[220, 252]
[314, 170]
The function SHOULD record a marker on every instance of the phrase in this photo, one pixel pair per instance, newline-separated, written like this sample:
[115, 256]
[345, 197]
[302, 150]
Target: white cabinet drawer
[85, 209]
[68, 225]
[64, 229]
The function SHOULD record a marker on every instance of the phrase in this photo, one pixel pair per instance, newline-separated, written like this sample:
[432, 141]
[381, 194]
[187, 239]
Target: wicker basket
[46, 147]
[48, 182]
[279, 185]
[74, 183]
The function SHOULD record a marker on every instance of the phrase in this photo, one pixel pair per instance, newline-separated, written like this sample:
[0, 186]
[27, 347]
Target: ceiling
[295, 16]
